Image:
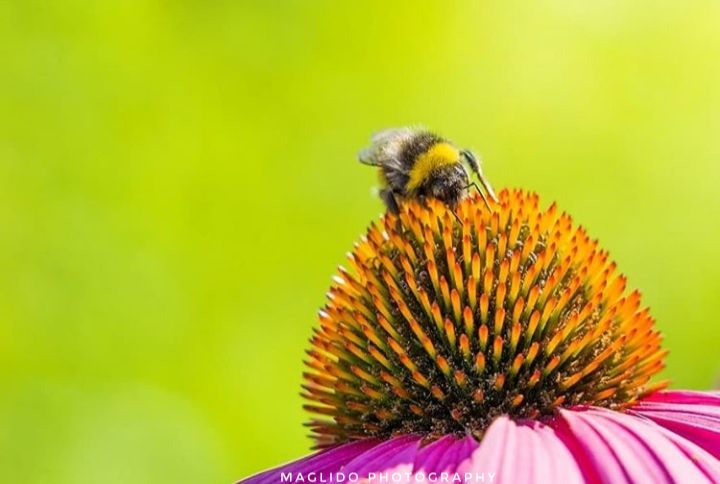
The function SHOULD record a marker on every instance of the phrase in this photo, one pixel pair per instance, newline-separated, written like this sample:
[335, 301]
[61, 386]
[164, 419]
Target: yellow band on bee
[440, 154]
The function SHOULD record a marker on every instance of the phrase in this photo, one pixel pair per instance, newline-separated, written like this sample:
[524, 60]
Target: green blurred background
[178, 183]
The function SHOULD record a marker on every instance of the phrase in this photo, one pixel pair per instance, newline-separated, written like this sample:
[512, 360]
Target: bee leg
[474, 184]
[457, 217]
[388, 197]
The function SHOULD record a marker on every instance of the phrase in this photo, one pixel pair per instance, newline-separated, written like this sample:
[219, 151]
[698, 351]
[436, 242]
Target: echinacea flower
[493, 345]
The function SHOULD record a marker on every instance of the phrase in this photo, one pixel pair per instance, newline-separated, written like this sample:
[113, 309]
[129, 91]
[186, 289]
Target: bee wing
[390, 134]
[368, 156]
[384, 146]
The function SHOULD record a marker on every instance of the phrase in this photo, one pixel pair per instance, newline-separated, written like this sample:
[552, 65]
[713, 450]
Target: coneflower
[493, 345]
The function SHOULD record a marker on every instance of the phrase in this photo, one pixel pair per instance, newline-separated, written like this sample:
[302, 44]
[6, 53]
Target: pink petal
[445, 454]
[692, 415]
[596, 459]
[565, 467]
[394, 455]
[685, 396]
[625, 449]
[668, 437]
[523, 452]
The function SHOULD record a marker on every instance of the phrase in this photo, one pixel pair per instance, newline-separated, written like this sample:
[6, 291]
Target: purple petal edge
[694, 416]
[671, 436]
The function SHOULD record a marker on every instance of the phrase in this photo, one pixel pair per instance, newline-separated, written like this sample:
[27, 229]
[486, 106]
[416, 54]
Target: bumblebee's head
[447, 183]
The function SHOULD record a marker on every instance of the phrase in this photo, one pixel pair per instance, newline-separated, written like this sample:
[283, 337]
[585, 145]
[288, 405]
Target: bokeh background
[178, 183]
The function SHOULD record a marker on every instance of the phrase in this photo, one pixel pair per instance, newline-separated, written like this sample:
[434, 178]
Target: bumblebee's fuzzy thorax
[432, 163]
[436, 170]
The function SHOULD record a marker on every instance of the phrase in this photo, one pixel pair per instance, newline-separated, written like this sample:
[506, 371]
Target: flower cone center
[449, 320]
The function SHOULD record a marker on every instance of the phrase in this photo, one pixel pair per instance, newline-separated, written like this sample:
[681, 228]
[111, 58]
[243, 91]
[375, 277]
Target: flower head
[495, 339]
[450, 320]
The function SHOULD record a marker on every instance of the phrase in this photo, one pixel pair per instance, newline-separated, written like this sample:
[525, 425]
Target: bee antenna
[457, 217]
[475, 185]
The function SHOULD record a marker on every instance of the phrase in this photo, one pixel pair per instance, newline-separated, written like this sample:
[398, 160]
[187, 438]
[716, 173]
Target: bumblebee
[416, 163]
